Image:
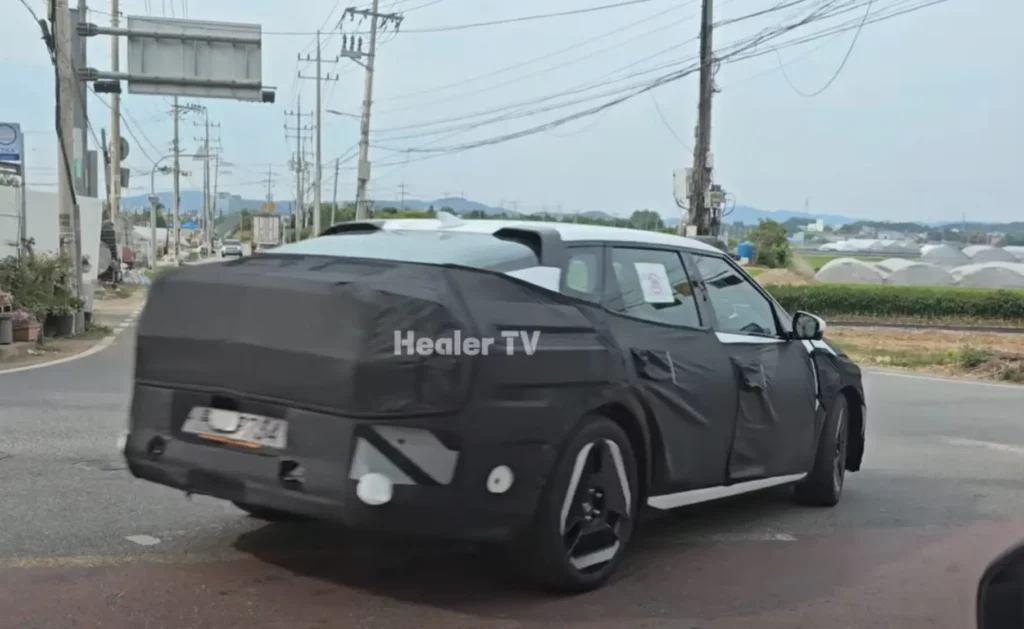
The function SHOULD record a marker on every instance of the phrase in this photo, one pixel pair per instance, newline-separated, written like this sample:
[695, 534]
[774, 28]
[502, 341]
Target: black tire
[269, 515]
[823, 487]
[599, 517]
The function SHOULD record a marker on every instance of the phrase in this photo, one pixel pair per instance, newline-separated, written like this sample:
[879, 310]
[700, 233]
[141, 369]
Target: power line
[546, 56]
[842, 64]
[526, 18]
[516, 110]
[581, 58]
[664, 121]
[746, 50]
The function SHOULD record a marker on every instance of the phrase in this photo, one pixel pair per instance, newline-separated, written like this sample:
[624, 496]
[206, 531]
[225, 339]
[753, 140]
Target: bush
[34, 281]
[903, 302]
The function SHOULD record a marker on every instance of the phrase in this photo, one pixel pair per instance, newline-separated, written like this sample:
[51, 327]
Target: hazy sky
[923, 123]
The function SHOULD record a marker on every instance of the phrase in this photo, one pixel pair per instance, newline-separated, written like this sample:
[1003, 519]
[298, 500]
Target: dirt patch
[25, 354]
[123, 302]
[781, 277]
[971, 354]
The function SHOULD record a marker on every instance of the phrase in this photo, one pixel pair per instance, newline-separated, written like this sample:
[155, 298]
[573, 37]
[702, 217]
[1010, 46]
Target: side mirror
[808, 327]
[1001, 592]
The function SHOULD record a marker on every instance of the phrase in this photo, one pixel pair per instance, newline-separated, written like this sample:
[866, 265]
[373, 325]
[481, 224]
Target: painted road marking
[143, 540]
[95, 349]
[898, 374]
[991, 445]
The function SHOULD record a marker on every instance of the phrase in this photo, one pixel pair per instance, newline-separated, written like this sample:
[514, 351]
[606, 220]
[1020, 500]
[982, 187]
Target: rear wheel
[586, 516]
[270, 515]
[823, 487]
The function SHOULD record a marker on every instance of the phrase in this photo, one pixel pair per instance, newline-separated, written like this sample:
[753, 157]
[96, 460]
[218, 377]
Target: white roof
[569, 231]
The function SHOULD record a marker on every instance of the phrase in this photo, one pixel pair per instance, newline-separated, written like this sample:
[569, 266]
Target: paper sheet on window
[654, 283]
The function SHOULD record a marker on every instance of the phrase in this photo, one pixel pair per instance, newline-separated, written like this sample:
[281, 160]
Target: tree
[772, 244]
[645, 219]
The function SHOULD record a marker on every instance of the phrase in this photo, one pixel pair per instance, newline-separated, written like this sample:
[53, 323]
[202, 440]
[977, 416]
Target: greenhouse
[1018, 252]
[990, 275]
[850, 271]
[943, 255]
[903, 272]
[987, 253]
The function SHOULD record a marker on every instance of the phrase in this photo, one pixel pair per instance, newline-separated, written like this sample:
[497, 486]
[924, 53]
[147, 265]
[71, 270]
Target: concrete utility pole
[69, 221]
[401, 188]
[177, 177]
[318, 168]
[353, 49]
[206, 154]
[298, 164]
[115, 117]
[700, 210]
[83, 169]
[270, 184]
[334, 201]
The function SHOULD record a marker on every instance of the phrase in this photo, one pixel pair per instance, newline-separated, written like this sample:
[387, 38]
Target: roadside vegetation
[997, 357]
[906, 304]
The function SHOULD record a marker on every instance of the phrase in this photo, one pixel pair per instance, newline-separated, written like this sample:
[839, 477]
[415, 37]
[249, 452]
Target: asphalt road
[84, 545]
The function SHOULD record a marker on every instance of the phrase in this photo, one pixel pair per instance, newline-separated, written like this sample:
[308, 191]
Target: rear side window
[479, 251]
[652, 284]
[581, 277]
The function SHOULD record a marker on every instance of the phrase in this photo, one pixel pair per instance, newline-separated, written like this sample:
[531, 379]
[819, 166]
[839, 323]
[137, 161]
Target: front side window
[739, 305]
[653, 285]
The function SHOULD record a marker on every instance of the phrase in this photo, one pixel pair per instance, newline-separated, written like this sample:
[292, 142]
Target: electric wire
[745, 52]
[839, 70]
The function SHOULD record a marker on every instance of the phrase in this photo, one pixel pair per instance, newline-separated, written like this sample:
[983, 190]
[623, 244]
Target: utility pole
[298, 164]
[270, 183]
[115, 116]
[334, 201]
[353, 49]
[177, 176]
[69, 219]
[206, 154]
[401, 188]
[700, 212]
[318, 168]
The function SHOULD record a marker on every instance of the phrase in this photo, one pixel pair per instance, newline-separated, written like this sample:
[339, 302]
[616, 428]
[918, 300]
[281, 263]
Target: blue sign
[11, 142]
[190, 225]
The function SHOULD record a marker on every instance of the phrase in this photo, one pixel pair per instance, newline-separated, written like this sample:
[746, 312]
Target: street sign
[268, 207]
[12, 147]
[195, 58]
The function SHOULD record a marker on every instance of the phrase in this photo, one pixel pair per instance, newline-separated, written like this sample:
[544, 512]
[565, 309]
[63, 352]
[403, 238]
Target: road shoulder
[111, 316]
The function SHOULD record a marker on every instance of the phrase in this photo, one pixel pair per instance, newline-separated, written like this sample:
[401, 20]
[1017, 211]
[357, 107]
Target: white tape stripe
[574, 482]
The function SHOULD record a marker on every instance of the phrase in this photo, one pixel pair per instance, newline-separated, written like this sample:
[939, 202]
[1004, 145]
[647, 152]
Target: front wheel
[586, 515]
[823, 487]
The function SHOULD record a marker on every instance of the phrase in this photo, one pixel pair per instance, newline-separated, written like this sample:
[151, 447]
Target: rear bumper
[444, 493]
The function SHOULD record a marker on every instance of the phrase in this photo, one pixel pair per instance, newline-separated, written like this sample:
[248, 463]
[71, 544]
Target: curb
[103, 344]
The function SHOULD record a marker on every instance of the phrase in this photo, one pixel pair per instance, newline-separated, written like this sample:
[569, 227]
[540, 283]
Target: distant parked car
[231, 247]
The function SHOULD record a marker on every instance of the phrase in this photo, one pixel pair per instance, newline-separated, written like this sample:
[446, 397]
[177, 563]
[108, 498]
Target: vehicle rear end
[281, 381]
[231, 248]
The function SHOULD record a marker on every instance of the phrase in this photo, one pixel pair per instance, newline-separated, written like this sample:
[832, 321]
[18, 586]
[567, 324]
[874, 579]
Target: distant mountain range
[192, 201]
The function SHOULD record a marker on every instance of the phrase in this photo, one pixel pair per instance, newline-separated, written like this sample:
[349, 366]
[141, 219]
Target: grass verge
[961, 354]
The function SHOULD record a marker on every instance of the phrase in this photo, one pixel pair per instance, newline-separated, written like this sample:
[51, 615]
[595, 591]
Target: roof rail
[349, 227]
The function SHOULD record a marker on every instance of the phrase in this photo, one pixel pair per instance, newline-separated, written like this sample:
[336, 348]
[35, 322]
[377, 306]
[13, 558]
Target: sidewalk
[111, 316]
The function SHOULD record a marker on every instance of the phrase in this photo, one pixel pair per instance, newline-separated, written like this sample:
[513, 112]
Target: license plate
[241, 429]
